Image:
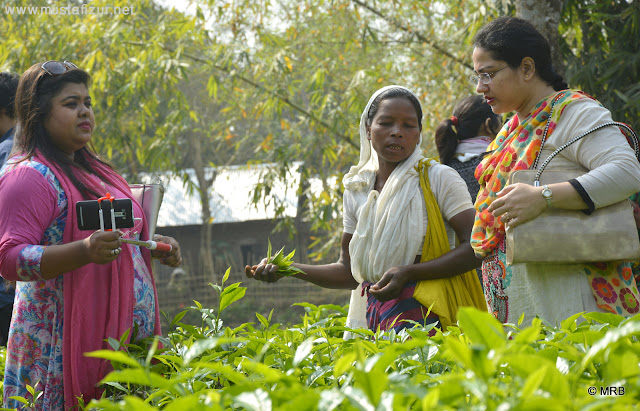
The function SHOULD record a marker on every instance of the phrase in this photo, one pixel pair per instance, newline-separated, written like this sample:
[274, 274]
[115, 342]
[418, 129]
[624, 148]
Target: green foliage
[601, 44]
[479, 364]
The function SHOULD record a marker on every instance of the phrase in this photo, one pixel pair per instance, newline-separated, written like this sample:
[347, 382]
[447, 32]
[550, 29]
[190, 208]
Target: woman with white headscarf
[402, 215]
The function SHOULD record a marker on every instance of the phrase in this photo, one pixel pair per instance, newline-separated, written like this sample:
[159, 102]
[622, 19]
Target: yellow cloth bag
[446, 294]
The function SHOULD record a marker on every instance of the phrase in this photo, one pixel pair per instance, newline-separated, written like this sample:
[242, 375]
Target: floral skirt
[614, 284]
[400, 313]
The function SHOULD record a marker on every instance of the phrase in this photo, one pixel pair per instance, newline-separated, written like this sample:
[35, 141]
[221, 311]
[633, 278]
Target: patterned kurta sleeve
[28, 206]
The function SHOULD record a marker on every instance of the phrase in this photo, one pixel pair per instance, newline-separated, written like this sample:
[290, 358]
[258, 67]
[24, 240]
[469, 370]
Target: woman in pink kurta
[75, 289]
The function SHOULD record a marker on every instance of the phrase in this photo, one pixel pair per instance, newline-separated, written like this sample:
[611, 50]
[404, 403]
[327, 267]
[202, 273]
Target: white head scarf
[389, 229]
[359, 175]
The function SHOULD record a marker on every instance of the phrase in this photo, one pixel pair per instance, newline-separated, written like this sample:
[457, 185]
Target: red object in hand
[160, 246]
[151, 245]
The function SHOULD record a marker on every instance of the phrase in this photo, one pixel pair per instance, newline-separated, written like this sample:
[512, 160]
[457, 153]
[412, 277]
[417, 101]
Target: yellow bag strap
[444, 295]
[436, 242]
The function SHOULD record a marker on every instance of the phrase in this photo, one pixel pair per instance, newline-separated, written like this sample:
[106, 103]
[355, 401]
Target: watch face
[546, 192]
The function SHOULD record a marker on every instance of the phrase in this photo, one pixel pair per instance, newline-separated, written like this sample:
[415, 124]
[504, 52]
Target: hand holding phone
[88, 213]
[100, 246]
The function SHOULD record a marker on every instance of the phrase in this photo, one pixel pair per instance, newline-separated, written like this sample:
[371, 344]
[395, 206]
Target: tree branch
[264, 89]
[418, 35]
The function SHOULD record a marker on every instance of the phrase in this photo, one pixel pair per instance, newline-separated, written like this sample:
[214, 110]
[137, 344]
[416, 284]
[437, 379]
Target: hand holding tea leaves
[272, 268]
[283, 262]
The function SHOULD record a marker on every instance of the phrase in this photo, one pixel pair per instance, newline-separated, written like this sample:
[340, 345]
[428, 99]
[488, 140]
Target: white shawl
[389, 229]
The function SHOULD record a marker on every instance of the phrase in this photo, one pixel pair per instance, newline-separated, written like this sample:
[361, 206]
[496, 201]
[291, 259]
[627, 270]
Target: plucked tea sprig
[283, 262]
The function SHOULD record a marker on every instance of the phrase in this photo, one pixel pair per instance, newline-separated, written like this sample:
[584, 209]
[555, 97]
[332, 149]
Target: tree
[282, 82]
[287, 81]
[547, 23]
[602, 49]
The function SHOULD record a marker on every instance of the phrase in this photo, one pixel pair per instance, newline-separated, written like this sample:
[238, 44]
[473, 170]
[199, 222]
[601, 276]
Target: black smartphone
[89, 214]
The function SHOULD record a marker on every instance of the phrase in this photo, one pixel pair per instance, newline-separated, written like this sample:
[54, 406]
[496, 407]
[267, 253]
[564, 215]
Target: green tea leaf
[138, 376]
[224, 370]
[21, 399]
[177, 318]
[201, 346]
[283, 262]
[133, 403]
[533, 382]
[481, 327]
[303, 351]
[530, 334]
[262, 320]
[189, 402]
[114, 356]
[257, 400]
[604, 318]
[344, 363]
[358, 399]
[372, 383]
[290, 255]
[231, 294]
[226, 275]
[610, 339]
[569, 324]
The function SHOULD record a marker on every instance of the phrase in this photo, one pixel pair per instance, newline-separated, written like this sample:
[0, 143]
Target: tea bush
[479, 365]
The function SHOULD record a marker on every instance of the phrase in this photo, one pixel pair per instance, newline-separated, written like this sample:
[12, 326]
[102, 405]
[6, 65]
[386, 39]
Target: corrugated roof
[230, 199]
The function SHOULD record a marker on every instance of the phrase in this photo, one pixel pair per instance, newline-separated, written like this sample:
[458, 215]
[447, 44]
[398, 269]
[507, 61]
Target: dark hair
[8, 87]
[394, 93]
[511, 39]
[471, 113]
[35, 93]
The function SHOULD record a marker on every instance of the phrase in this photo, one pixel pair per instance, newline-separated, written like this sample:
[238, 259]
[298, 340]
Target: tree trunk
[302, 228]
[204, 186]
[545, 16]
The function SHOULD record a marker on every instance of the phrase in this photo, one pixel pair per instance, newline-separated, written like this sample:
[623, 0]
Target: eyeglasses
[485, 78]
[55, 68]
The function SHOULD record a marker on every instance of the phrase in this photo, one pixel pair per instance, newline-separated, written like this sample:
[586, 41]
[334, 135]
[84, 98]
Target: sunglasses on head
[55, 68]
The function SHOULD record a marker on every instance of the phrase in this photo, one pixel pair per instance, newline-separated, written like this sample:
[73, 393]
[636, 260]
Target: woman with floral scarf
[512, 62]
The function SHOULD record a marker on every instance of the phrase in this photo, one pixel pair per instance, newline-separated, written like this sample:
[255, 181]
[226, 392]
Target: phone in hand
[88, 214]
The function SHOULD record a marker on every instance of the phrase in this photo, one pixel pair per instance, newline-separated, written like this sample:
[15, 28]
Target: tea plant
[480, 364]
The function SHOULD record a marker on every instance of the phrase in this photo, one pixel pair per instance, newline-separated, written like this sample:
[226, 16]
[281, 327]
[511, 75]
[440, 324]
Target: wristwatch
[546, 193]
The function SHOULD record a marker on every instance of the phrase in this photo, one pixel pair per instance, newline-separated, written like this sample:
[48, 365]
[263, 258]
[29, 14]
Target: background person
[512, 61]
[8, 87]
[462, 139]
[388, 233]
[74, 288]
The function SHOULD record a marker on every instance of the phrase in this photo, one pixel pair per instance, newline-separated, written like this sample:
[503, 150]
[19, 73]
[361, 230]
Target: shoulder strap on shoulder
[436, 242]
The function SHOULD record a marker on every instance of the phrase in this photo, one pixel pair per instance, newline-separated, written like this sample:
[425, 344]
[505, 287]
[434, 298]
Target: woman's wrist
[412, 272]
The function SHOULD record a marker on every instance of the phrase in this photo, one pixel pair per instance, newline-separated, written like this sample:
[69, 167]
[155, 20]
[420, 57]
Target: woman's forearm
[98, 248]
[457, 261]
[335, 275]
[564, 196]
[59, 259]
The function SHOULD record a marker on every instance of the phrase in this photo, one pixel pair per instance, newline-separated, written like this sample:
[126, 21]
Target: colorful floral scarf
[515, 148]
